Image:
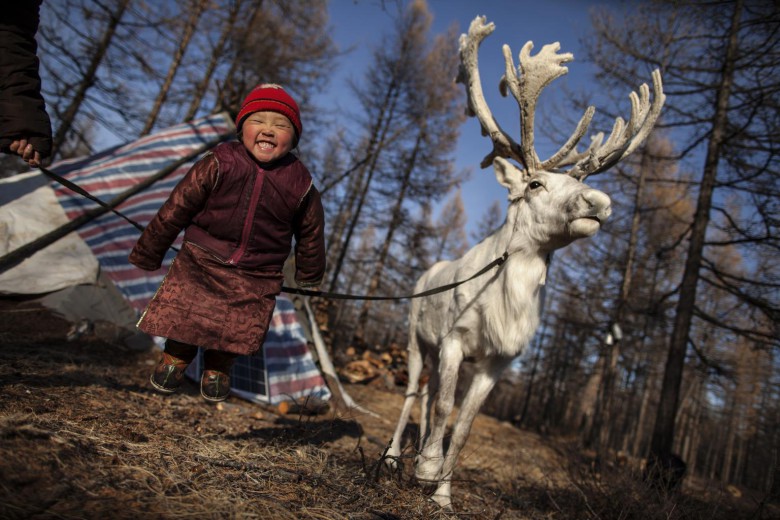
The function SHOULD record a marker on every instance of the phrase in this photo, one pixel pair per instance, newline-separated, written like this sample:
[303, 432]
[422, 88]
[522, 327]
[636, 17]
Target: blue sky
[362, 24]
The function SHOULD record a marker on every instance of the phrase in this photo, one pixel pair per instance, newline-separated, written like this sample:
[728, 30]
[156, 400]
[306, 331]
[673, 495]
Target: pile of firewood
[360, 365]
[388, 366]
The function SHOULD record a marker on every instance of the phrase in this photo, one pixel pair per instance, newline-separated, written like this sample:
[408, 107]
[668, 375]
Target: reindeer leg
[429, 389]
[484, 380]
[415, 366]
[430, 459]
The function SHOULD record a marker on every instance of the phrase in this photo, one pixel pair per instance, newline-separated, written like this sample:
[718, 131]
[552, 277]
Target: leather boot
[215, 381]
[169, 372]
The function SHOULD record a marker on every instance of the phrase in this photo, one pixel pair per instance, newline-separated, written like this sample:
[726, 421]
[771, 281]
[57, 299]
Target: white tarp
[29, 209]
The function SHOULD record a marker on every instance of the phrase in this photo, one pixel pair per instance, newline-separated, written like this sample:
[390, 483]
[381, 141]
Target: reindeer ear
[508, 175]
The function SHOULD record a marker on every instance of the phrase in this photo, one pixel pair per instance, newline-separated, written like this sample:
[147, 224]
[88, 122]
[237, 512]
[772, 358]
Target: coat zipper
[248, 220]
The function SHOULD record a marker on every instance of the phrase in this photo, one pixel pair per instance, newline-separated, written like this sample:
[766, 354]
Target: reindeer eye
[535, 185]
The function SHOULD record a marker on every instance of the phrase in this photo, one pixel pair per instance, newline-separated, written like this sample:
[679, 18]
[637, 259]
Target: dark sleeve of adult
[310, 240]
[22, 108]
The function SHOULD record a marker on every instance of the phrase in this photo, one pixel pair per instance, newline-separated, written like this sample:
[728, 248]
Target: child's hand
[26, 151]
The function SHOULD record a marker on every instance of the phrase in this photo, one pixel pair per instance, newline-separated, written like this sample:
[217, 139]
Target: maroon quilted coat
[239, 220]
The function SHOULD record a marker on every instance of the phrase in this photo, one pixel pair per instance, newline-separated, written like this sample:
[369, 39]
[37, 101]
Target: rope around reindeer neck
[292, 290]
[548, 257]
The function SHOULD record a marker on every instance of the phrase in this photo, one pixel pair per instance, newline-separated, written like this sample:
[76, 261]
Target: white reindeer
[492, 318]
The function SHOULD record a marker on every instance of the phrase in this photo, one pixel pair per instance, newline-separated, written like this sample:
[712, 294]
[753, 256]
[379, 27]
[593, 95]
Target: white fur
[491, 318]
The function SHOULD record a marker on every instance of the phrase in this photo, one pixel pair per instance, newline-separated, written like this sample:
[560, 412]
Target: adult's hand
[26, 151]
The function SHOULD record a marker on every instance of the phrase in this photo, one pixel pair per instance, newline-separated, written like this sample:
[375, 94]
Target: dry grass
[83, 436]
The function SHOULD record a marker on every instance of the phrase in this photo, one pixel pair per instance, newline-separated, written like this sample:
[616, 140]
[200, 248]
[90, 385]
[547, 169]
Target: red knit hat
[271, 97]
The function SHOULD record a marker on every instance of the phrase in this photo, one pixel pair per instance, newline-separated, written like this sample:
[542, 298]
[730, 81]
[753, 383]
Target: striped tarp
[112, 172]
[287, 369]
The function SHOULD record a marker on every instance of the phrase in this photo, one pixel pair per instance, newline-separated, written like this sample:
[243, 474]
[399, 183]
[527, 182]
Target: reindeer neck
[512, 293]
[526, 262]
[517, 239]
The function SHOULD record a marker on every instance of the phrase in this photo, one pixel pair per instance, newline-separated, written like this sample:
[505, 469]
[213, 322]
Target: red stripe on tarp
[296, 386]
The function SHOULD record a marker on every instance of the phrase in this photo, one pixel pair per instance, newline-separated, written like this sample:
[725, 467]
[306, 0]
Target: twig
[380, 463]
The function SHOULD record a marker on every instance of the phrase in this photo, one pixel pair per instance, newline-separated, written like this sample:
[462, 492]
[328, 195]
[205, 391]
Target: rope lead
[291, 290]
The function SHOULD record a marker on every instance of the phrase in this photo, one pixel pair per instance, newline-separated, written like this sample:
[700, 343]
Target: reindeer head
[585, 208]
[549, 210]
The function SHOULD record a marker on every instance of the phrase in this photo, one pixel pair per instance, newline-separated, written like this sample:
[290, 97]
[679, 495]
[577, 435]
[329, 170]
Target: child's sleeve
[185, 201]
[310, 240]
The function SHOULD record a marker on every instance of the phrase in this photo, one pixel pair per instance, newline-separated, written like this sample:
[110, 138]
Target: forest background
[659, 336]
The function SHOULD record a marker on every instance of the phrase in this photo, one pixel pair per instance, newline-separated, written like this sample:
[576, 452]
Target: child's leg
[169, 373]
[215, 382]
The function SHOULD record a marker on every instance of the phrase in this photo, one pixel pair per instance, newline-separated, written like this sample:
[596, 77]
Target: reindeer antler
[536, 72]
[624, 138]
[468, 74]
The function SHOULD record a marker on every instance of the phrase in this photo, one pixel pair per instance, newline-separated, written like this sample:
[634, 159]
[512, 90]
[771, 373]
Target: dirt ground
[82, 435]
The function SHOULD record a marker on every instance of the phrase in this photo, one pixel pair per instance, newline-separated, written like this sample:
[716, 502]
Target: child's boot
[215, 382]
[169, 372]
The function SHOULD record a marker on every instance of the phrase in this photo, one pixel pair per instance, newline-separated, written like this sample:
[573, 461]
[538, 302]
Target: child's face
[267, 135]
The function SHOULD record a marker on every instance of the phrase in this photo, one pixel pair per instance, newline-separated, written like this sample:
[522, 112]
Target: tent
[67, 246]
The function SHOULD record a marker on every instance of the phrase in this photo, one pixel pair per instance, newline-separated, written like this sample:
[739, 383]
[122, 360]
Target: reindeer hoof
[427, 470]
[427, 487]
[444, 501]
[393, 463]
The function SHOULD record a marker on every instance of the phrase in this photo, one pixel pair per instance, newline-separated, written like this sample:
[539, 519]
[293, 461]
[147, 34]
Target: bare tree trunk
[688, 430]
[632, 399]
[695, 441]
[189, 30]
[639, 431]
[351, 211]
[335, 243]
[344, 246]
[227, 95]
[663, 432]
[529, 389]
[343, 318]
[643, 431]
[603, 416]
[686, 413]
[383, 127]
[589, 397]
[444, 237]
[216, 55]
[739, 460]
[731, 438]
[773, 476]
[88, 79]
[711, 458]
[552, 366]
[395, 221]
